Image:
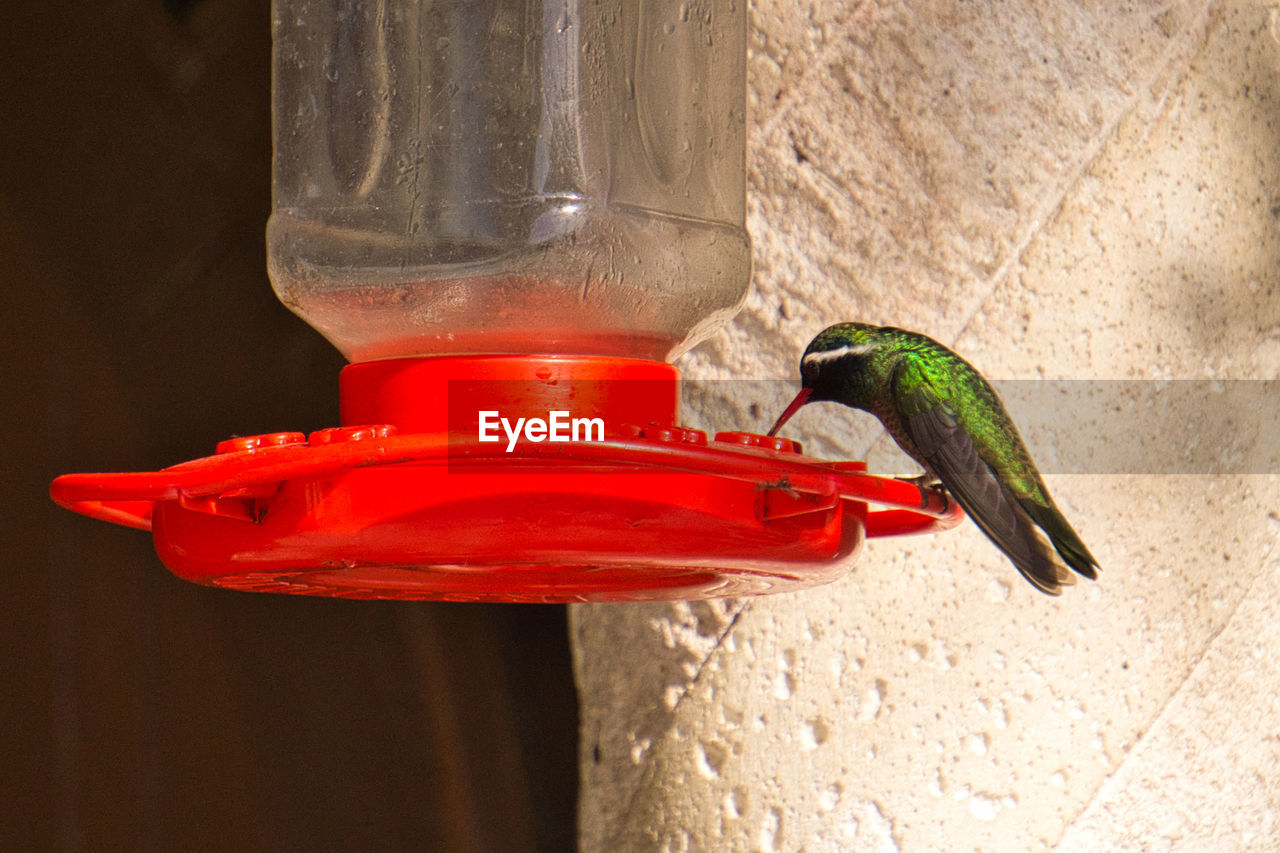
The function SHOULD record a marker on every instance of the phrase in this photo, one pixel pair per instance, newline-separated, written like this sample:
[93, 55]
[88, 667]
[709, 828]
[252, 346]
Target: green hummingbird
[949, 420]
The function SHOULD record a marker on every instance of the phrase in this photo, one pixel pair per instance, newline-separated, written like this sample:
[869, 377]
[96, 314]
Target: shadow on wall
[139, 330]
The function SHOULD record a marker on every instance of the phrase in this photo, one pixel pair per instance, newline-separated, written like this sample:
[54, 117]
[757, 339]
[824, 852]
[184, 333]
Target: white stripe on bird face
[823, 356]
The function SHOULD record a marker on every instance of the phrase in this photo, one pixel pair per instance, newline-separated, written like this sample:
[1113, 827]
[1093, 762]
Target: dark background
[139, 329]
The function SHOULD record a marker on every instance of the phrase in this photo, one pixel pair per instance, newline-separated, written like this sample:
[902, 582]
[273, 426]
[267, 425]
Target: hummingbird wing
[932, 425]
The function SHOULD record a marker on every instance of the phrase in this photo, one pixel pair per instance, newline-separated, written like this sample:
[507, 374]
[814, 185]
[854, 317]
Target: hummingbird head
[836, 359]
[834, 366]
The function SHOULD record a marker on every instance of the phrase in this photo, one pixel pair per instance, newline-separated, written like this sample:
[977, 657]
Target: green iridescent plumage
[946, 417]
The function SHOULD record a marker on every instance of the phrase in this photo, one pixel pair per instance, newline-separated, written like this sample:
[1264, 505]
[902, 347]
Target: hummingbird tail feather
[1065, 540]
[1017, 537]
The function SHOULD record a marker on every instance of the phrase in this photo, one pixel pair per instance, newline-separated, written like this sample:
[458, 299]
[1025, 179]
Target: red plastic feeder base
[424, 494]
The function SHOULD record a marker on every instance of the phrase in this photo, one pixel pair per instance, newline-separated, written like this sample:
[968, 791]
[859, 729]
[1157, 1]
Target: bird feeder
[510, 217]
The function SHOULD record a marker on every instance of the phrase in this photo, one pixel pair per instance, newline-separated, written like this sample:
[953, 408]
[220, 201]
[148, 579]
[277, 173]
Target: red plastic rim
[417, 507]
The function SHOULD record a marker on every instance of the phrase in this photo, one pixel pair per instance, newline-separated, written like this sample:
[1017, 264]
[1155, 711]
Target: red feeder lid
[422, 494]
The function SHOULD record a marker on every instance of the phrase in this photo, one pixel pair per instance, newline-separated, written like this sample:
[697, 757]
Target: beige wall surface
[1060, 190]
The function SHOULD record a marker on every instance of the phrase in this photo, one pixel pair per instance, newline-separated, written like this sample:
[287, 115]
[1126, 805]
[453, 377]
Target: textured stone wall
[1061, 190]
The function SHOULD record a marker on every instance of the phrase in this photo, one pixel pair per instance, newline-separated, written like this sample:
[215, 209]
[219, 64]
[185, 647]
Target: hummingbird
[947, 418]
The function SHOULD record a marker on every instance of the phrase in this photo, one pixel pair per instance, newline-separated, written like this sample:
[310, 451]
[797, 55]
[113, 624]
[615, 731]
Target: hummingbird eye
[809, 371]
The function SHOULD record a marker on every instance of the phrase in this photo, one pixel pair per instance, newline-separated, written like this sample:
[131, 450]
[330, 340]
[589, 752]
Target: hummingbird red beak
[800, 400]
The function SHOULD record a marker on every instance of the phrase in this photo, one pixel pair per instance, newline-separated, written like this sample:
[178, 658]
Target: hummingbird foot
[927, 483]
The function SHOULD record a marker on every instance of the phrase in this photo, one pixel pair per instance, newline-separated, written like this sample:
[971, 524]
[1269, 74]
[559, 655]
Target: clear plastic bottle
[509, 176]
